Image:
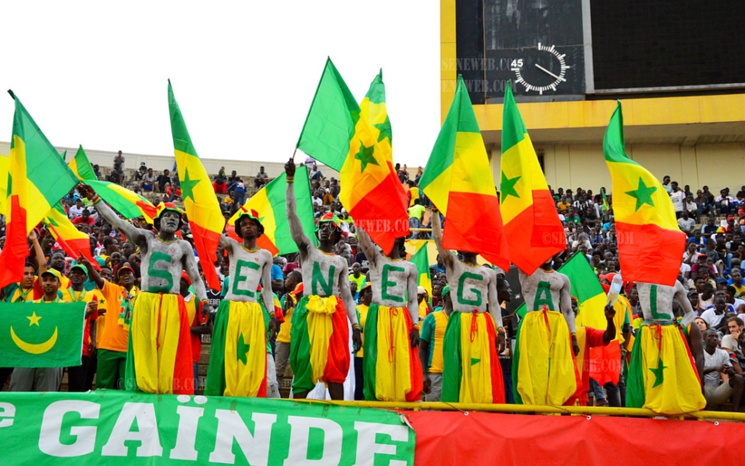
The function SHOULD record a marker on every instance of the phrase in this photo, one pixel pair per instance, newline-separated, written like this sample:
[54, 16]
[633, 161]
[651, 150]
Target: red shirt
[593, 338]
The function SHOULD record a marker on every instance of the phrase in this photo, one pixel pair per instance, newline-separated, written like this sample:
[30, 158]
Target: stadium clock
[541, 71]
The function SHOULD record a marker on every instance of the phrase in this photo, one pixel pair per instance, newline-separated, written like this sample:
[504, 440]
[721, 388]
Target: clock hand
[549, 73]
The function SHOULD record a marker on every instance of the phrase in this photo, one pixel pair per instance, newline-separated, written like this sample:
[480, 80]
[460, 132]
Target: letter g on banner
[51, 429]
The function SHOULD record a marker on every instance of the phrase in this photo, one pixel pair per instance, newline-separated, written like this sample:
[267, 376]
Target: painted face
[326, 231]
[169, 221]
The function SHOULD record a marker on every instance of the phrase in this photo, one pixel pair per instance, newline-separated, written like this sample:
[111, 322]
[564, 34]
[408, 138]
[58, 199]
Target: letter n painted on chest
[317, 280]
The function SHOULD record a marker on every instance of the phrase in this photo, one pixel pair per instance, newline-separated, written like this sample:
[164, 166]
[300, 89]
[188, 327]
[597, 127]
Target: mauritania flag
[127, 203]
[458, 179]
[37, 179]
[200, 201]
[268, 205]
[420, 258]
[41, 334]
[72, 240]
[650, 243]
[533, 229]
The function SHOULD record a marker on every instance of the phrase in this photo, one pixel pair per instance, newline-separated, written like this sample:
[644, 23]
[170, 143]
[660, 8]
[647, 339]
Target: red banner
[491, 438]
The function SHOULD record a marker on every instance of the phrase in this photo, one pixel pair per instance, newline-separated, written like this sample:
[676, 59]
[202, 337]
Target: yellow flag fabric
[245, 349]
[320, 328]
[671, 385]
[392, 367]
[546, 370]
[476, 377]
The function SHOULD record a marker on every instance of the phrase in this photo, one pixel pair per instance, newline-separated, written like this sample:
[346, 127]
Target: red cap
[185, 276]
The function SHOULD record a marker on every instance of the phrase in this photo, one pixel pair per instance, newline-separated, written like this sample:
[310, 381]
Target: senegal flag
[458, 174]
[72, 240]
[268, 205]
[200, 201]
[41, 335]
[420, 258]
[37, 179]
[533, 229]
[127, 203]
[650, 243]
[591, 298]
[370, 188]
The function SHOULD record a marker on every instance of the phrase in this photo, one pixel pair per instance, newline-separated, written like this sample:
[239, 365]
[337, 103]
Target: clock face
[543, 70]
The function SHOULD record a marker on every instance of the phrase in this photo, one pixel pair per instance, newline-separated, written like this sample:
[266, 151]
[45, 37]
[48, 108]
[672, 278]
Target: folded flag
[72, 240]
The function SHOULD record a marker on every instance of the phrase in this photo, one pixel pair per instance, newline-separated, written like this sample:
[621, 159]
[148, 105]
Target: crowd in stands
[711, 268]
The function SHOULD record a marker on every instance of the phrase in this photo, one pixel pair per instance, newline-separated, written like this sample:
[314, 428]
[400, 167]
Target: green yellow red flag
[128, 203]
[37, 179]
[420, 258]
[458, 174]
[200, 201]
[586, 288]
[650, 243]
[41, 335]
[72, 240]
[370, 188]
[531, 224]
[268, 205]
[356, 140]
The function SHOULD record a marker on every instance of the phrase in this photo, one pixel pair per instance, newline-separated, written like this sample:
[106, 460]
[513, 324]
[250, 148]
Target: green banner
[111, 427]
[41, 334]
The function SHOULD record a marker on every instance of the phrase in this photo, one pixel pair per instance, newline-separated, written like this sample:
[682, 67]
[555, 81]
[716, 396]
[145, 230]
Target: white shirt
[712, 318]
[76, 211]
[719, 358]
[678, 197]
[686, 224]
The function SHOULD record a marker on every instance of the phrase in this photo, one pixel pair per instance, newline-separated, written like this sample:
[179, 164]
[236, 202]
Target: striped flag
[531, 224]
[37, 179]
[128, 203]
[72, 240]
[650, 243]
[420, 258]
[200, 201]
[458, 174]
[268, 205]
[370, 188]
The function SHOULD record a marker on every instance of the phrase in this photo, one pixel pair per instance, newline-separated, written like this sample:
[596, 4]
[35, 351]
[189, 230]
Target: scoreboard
[564, 50]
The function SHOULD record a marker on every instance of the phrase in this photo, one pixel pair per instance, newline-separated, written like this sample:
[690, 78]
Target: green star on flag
[659, 376]
[385, 130]
[242, 350]
[507, 186]
[187, 186]
[475, 361]
[365, 156]
[642, 194]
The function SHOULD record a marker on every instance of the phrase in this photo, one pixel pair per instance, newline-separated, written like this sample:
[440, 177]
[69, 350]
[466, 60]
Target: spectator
[686, 223]
[314, 173]
[239, 192]
[232, 179]
[416, 214]
[77, 209]
[677, 196]
[84, 219]
[220, 185]
[148, 181]
[724, 202]
[261, 178]
[162, 180]
[141, 172]
[720, 380]
[714, 314]
[356, 276]
[119, 162]
[666, 184]
[97, 172]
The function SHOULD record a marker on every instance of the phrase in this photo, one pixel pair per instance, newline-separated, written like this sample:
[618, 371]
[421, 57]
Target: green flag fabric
[41, 334]
[331, 120]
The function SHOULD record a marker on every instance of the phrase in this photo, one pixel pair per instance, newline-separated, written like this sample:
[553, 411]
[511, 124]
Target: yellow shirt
[284, 329]
[362, 317]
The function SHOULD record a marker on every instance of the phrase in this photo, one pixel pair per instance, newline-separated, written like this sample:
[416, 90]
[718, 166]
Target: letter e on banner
[367, 447]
